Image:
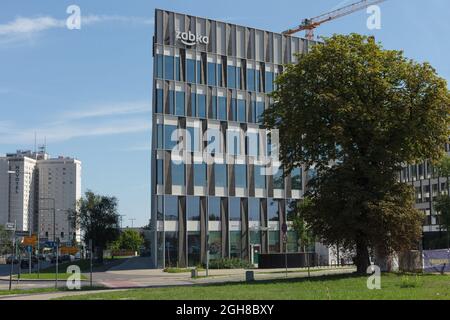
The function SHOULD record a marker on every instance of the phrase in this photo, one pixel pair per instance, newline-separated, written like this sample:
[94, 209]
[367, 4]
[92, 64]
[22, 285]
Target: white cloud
[109, 110]
[120, 118]
[30, 25]
[23, 28]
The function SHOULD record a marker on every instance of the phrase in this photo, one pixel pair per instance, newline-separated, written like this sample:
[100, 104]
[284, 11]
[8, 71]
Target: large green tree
[98, 219]
[358, 113]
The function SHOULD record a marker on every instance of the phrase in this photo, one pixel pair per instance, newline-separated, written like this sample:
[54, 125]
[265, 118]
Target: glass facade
[171, 208]
[234, 209]
[193, 208]
[200, 175]
[194, 244]
[215, 245]
[235, 244]
[214, 209]
[220, 174]
[221, 87]
[171, 249]
[240, 175]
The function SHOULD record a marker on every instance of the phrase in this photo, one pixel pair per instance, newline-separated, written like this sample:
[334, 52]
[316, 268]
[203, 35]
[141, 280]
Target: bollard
[194, 273]
[249, 276]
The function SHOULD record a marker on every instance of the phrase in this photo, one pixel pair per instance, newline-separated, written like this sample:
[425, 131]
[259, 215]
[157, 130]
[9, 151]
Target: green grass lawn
[49, 273]
[44, 290]
[46, 276]
[26, 291]
[336, 287]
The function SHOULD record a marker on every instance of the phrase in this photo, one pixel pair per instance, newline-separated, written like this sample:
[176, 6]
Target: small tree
[304, 232]
[129, 240]
[5, 241]
[98, 220]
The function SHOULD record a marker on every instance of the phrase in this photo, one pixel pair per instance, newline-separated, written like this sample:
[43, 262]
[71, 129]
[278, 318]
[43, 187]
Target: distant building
[39, 177]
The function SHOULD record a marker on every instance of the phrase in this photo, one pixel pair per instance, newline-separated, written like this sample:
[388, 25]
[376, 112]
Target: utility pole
[121, 218]
[56, 267]
[132, 222]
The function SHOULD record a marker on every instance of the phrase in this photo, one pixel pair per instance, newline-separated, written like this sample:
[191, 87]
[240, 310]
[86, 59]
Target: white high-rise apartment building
[37, 177]
[59, 179]
[18, 190]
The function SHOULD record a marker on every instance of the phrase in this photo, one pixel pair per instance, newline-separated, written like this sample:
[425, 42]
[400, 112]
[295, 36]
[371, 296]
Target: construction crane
[310, 24]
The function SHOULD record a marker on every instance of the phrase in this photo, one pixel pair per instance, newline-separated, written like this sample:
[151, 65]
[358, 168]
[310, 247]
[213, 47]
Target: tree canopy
[129, 240]
[358, 113]
[98, 220]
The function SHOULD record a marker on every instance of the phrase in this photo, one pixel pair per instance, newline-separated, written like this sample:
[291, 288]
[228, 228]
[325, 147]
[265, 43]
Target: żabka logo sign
[190, 39]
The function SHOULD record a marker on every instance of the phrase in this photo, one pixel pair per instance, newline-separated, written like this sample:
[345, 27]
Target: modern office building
[37, 177]
[212, 80]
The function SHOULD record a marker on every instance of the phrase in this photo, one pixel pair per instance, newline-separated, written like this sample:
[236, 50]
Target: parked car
[53, 259]
[24, 264]
[12, 258]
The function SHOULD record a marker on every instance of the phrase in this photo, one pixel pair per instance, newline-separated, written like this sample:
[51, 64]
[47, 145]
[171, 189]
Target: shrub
[229, 263]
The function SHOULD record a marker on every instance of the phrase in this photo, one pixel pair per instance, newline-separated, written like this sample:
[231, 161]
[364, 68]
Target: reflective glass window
[250, 79]
[254, 209]
[168, 67]
[231, 76]
[193, 208]
[180, 103]
[159, 101]
[296, 179]
[234, 209]
[171, 208]
[177, 174]
[190, 70]
[220, 175]
[269, 82]
[241, 110]
[240, 175]
[222, 108]
[214, 209]
[273, 211]
[200, 174]
[211, 74]
[201, 112]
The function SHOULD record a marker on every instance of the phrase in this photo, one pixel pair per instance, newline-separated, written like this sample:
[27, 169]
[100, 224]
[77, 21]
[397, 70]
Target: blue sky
[88, 91]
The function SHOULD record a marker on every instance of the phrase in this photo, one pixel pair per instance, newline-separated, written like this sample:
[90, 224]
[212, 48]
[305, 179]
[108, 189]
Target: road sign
[69, 250]
[50, 244]
[20, 233]
[29, 249]
[30, 241]
[10, 226]
[284, 228]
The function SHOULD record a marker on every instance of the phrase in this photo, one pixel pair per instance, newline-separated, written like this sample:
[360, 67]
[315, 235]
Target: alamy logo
[190, 39]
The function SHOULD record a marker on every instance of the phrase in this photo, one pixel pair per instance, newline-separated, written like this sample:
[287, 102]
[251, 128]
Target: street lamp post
[13, 235]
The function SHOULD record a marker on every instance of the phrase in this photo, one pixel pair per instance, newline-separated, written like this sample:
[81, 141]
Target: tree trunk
[362, 256]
